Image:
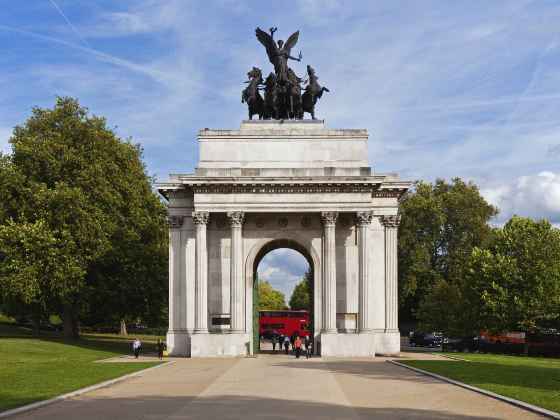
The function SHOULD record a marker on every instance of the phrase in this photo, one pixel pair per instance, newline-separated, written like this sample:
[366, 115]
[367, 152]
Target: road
[281, 387]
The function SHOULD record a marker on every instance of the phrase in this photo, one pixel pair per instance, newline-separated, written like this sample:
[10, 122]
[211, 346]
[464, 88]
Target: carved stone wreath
[221, 222]
[283, 222]
[260, 222]
[305, 222]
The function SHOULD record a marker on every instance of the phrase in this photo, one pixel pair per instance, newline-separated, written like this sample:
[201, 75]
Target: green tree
[301, 296]
[35, 264]
[441, 309]
[88, 190]
[269, 298]
[515, 283]
[440, 225]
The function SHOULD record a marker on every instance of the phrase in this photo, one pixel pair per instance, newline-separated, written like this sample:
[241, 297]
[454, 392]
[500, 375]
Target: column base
[388, 342]
[218, 345]
[200, 331]
[329, 331]
[348, 344]
[178, 343]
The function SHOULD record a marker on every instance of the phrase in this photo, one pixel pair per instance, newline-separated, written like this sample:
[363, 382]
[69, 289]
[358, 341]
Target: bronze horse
[270, 97]
[313, 91]
[251, 94]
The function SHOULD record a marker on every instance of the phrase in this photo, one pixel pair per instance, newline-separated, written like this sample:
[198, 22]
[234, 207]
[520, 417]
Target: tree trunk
[70, 323]
[123, 328]
[526, 348]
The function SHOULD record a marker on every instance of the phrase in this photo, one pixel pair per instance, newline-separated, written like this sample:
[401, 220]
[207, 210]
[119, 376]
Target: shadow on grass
[226, 407]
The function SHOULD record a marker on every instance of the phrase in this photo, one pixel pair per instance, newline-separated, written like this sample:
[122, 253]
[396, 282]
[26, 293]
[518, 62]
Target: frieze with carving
[283, 222]
[260, 222]
[305, 222]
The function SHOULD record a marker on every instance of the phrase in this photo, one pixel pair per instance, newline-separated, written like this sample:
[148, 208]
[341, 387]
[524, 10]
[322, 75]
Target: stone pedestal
[219, 345]
[348, 344]
[178, 343]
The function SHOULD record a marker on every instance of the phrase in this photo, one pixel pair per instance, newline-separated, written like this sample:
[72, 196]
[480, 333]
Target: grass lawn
[532, 380]
[33, 369]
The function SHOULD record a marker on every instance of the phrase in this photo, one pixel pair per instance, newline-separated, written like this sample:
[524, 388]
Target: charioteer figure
[282, 98]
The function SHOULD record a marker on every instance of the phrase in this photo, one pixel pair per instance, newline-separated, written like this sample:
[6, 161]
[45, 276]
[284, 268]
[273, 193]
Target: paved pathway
[280, 387]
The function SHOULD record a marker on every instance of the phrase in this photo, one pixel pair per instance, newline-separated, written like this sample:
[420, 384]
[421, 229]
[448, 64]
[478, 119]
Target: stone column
[391, 275]
[200, 219]
[363, 219]
[329, 271]
[174, 223]
[237, 291]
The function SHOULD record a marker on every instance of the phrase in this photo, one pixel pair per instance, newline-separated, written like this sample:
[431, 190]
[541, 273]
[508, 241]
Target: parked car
[136, 328]
[419, 339]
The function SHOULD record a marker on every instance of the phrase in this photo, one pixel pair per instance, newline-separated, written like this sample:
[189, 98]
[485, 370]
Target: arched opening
[282, 263]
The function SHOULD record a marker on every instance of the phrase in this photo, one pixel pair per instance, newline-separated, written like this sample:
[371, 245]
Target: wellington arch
[283, 184]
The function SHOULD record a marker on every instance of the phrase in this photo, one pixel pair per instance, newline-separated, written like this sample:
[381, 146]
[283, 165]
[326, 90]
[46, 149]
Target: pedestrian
[280, 341]
[136, 347]
[286, 344]
[297, 346]
[160, 347]
[307, 344]
[273, 341]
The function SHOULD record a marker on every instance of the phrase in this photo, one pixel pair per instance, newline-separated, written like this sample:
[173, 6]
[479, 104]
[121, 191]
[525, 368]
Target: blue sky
[445, 89]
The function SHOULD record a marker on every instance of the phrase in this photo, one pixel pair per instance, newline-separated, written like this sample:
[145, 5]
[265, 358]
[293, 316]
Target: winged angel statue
[283, 98]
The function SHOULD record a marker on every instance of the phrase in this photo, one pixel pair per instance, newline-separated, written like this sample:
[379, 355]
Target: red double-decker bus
[284, 322]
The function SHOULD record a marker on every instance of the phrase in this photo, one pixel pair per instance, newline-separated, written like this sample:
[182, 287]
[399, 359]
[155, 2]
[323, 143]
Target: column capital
[236, 218]
[391, 221]
[174, 222]
[329, 218]
[200, 218]
[364, 217]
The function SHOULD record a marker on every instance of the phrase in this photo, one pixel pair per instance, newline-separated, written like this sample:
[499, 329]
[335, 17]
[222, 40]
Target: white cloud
[536, 196]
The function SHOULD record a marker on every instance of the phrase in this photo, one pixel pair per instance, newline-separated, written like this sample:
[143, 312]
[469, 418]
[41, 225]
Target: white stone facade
[283, 184]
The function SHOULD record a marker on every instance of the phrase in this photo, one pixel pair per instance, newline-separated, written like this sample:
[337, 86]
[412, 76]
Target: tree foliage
[72, 183]
[301, 296]
[441, 309]
[515, 282]
[440, 225]
[269, 298]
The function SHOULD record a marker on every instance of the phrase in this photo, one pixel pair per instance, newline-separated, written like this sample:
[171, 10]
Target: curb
[451, 357]
[508, 400]
[81, 391]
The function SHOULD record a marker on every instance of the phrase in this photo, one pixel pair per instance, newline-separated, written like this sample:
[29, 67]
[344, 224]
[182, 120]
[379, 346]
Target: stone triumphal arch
[283, 184]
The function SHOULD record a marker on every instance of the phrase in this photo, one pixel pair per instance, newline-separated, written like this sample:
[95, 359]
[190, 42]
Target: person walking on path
[280, 341]
[136, 347]
[297, 346]
[286, 344]
[160, 347]
[273, 341]
[307, 344]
